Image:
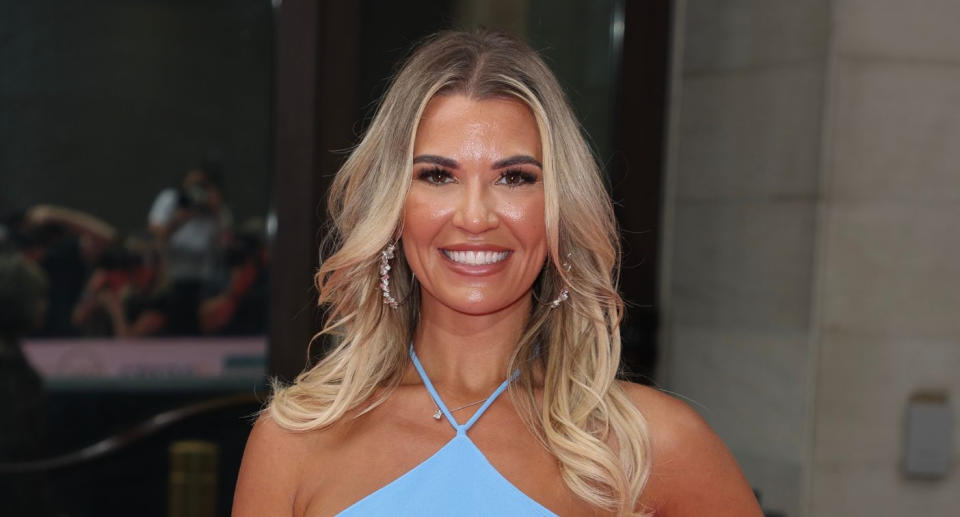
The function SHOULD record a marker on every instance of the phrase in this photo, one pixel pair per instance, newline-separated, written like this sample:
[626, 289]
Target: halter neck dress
[456, 480]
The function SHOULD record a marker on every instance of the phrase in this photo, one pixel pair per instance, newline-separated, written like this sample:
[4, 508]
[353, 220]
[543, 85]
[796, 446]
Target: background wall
[888, 267]
[810, 272]
[106, 103]
[741, 204]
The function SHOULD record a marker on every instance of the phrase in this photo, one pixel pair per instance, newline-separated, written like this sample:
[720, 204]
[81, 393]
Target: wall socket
[928, 435]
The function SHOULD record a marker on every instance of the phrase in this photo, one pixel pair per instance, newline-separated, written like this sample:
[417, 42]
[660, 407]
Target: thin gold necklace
[439, 414]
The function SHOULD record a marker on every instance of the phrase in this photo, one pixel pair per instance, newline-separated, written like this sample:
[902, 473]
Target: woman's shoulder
[271, 469]
[269, 474]
[692, 471]
[673, 426]
[665, 413]
[270, 434]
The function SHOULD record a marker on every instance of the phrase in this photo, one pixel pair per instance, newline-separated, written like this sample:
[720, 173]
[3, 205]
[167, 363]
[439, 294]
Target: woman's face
[473, 231]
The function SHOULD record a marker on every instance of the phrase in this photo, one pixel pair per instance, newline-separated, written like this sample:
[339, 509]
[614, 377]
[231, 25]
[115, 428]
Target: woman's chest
[400, 463]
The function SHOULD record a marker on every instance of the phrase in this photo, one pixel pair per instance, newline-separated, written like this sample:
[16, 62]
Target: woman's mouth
[476, 258]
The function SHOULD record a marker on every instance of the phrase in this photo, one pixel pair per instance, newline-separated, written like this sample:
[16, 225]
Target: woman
[476, 255]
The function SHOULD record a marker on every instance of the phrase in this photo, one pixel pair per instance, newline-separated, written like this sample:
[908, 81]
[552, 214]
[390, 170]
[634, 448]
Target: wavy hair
[585, 419]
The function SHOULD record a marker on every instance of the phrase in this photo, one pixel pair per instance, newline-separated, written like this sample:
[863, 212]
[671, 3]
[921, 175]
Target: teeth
[476, 258]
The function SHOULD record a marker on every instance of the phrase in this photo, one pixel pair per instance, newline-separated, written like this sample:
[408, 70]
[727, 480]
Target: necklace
[438, 414]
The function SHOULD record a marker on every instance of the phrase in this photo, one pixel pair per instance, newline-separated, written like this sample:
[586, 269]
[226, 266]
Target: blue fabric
[456, 480]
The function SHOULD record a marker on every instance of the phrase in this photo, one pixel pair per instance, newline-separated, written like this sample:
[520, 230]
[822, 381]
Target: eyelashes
[511, 178]
[516, 178]
[435, 176]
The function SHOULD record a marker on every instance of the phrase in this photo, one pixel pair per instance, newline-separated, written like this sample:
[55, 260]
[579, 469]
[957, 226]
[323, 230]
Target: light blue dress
[456, 480]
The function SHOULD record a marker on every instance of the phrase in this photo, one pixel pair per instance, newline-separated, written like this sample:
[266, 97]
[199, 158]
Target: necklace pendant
[437, 415]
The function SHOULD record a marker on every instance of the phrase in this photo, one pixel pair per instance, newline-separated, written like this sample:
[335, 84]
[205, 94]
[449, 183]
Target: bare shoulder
[692, 472]
[679, 436]
[671, 421]
[271, 470]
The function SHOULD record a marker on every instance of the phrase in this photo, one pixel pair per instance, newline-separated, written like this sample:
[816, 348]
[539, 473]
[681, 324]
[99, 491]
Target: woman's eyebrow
[500, 164]
[437, 160]
[516, 160]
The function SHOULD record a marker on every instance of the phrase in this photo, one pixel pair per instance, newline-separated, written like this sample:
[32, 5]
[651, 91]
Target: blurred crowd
[65, 273]
[189, 271]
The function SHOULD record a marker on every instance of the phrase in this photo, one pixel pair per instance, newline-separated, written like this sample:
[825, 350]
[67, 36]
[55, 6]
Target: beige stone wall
[811, 250]
[888, 295]
[741, 205]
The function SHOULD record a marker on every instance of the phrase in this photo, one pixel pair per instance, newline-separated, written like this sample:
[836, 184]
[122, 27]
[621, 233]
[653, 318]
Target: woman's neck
[467, 355]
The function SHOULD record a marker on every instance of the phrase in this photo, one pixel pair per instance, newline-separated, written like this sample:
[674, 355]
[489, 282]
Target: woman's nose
[475, 211]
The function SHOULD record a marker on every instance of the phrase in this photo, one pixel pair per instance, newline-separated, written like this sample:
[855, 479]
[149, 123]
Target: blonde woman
[472, 302]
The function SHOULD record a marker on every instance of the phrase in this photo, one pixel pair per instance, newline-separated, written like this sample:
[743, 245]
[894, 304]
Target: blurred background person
[192, 226]
[123, 287]
[66, 244]
[240, 308]
[23, 289]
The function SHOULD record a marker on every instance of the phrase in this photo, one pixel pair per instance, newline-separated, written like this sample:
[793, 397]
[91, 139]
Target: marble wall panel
[742, 265]
[779, 482]
[752, 388]
[751, 33]
[925, 29]
[878, 490]
[863, 386]
[895, 131]
[751, 133]
[892, 269]
[751, 206]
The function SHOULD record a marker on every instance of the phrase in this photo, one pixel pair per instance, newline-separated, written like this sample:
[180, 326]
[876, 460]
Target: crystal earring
[385, 257]
[564, 293]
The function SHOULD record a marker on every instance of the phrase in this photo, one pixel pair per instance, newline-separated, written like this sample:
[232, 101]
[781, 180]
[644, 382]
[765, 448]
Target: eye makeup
[517, 178]
[510, 178]
[435, 176]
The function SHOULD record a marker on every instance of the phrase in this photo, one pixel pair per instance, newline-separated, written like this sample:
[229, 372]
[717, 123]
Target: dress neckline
[460, 428]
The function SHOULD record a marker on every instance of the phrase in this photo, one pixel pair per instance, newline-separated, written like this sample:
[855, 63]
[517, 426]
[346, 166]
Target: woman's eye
[515, 178]
[435, 176]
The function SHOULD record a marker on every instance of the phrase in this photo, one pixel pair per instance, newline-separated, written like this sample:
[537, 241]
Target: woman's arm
[269, 473]
[693, 472]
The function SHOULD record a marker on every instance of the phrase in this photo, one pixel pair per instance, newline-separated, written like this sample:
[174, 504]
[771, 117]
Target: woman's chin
[479, 303]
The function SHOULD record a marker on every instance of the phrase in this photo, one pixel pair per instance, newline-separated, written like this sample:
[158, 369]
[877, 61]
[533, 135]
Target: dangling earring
[385, 257]
[564, 293]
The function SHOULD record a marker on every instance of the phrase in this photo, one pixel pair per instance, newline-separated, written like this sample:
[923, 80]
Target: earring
[385, 257]
[564, 293]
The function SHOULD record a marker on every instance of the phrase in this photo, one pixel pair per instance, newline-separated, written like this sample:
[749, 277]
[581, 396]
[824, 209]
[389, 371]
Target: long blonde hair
[576, 346]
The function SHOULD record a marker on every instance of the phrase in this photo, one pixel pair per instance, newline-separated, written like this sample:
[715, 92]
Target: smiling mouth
[476, 258]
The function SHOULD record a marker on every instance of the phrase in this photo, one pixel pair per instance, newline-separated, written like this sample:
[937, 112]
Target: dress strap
[461, 429]
[496, 393]
[433, 392]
